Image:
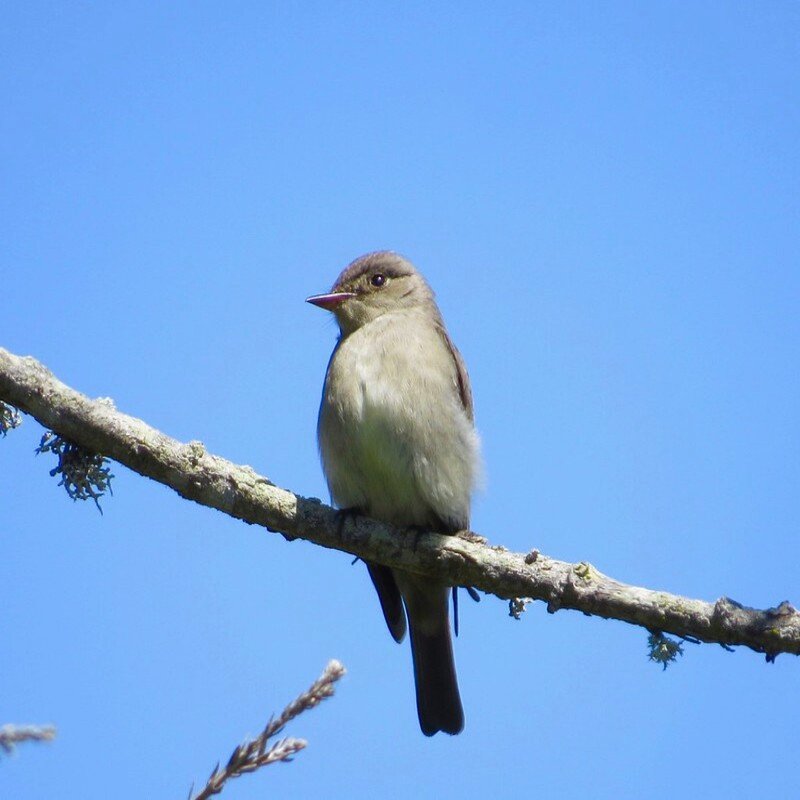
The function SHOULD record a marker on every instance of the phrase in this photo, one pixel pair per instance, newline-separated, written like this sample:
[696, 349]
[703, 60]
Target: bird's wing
[462, 378]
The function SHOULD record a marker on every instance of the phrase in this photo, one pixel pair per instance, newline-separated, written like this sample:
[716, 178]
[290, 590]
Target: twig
[253, 754]
[12, 735]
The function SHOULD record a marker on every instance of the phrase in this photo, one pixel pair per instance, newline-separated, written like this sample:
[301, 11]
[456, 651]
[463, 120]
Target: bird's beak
[330, 302]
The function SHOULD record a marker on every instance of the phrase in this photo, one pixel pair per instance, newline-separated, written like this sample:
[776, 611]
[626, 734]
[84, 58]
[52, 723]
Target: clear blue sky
[605, 198]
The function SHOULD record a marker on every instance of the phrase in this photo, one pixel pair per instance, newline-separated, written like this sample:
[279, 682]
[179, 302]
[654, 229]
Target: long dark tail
[438, 699]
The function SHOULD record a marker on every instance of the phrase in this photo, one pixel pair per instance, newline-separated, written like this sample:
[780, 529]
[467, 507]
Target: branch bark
[460, 560]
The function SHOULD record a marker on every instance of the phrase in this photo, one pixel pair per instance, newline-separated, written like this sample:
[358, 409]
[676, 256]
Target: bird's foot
[417, 532]
[342, 515]
[469, 536]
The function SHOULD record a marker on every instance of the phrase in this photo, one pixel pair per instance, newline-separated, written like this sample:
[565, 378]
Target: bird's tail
[438, 699]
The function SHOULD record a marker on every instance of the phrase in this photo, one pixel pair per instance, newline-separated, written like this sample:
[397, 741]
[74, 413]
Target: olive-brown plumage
[398, 444]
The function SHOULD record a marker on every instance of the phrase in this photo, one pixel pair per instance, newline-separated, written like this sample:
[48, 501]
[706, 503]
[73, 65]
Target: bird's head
[373, 285]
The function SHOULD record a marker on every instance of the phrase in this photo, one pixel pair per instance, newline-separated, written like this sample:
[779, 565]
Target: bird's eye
[378, 279]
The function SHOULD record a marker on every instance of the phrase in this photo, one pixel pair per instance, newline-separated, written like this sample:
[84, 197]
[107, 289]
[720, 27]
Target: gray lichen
[663, 650]
[9, 418]
[84, 474]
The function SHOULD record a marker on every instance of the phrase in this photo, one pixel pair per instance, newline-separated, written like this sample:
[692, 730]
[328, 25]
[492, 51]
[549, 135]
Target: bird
[398, 443]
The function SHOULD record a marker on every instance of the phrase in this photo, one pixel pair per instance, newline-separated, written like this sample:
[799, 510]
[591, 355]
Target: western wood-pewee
[398, 444]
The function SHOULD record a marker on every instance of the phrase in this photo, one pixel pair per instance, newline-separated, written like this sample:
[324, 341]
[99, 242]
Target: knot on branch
[725, 609]
[577, 579]
[195, 450]
[531, 557]
[782, 610]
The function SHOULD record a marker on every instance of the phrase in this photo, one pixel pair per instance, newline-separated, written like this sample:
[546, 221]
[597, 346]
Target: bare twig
[253, 754]
[12, 735]
[463, 561]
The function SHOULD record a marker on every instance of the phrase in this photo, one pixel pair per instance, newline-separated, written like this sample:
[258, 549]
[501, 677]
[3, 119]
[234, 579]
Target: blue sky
[605, 198]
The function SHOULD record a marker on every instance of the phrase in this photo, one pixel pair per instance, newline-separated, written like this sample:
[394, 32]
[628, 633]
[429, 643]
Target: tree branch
[461, 560]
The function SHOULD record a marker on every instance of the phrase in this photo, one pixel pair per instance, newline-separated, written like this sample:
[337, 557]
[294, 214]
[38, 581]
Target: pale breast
[394, 436]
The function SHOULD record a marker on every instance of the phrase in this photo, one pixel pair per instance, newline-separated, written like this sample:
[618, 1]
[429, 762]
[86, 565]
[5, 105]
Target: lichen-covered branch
[462, 560]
